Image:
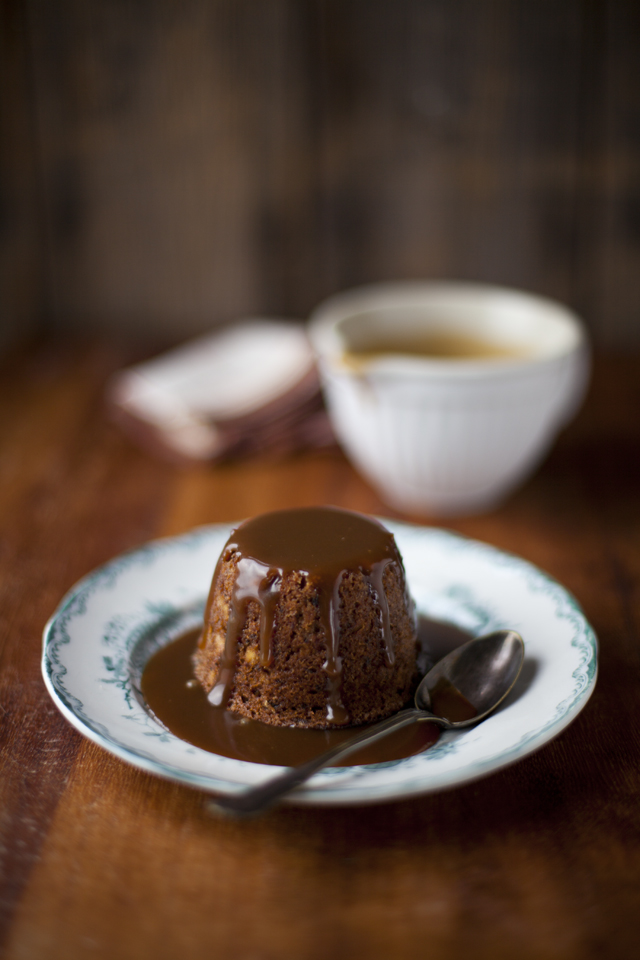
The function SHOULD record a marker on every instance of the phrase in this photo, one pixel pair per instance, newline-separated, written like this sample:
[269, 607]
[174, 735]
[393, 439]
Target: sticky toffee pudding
[309, 622]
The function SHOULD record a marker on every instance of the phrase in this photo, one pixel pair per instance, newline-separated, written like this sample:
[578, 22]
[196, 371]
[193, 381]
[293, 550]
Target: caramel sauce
[448, 702]
[322, 544]
[179, 702]
[435, 344]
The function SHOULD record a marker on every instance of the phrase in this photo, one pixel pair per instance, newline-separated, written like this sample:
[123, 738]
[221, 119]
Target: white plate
[97, 642]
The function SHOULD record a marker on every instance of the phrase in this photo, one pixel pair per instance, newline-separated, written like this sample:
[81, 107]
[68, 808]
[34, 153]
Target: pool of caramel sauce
[181, 705]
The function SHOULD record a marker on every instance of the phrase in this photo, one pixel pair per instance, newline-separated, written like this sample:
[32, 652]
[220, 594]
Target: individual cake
[309, 622]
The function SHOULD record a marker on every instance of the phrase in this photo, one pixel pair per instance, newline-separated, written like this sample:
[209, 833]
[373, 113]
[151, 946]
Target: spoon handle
[259, 798]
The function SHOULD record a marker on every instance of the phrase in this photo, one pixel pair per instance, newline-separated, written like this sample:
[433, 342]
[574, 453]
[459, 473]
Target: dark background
[172, 164]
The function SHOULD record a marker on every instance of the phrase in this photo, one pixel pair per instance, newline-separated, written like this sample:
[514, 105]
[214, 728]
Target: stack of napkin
[249, 388]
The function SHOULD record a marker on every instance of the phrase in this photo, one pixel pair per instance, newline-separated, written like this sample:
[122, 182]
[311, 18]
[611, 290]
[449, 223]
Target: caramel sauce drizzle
[321, 544]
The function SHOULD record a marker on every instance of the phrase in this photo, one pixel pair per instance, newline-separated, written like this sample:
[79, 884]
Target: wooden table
[101, 860]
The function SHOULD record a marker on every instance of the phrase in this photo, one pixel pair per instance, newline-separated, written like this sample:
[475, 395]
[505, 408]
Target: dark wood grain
[171, 165]
[22, 294]
[100, 860]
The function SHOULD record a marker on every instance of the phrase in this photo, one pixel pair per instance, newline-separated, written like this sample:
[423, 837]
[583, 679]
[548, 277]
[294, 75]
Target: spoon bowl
[461, 690]
[481, 672]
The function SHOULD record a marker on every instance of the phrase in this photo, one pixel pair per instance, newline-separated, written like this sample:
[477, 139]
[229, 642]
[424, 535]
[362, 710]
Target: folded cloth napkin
[249, 388]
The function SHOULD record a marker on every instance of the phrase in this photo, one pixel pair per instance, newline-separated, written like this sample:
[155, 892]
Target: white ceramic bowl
[449, 436]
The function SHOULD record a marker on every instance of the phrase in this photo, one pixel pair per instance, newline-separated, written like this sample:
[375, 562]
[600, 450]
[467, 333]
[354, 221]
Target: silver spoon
[483, 671]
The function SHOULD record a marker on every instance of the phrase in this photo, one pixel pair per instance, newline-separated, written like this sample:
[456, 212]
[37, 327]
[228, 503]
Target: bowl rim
[329, 344]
